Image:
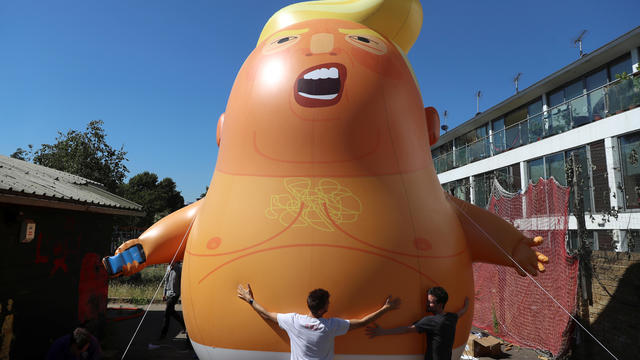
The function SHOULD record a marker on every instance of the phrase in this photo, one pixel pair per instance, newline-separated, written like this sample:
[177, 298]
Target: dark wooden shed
[55, 228]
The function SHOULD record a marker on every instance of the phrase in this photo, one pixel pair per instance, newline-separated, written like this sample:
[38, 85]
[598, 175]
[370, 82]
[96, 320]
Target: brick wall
[615, 314]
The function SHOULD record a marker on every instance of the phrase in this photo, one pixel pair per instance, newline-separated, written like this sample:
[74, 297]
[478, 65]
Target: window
[555, 168]
[597, 79]
[479, 145]
[574, 244]
[536, 170]
[629, 154]
[482, 184]
[569, 108]
[620, 94]
[461, 189]
[622, 65]
[573, 90]
[583, 179]
[559, 118]
[497, 142]
[596, 98]
[536, 123]
[554, 165]
[482, 189]
[513, 128]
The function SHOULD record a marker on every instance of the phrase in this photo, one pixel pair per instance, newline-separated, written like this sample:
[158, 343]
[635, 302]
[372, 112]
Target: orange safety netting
[512, 307]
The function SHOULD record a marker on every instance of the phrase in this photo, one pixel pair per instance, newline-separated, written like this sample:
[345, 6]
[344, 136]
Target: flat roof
[25, 183]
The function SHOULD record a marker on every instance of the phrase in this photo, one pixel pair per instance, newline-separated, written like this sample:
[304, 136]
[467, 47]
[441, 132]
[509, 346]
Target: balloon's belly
[360, 239]
[357, 270]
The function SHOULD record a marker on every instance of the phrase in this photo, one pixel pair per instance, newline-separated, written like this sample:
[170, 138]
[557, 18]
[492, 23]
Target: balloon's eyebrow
[360, 31]
[285, 33]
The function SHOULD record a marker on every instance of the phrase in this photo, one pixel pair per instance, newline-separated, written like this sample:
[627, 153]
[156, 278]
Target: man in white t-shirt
[312, 336]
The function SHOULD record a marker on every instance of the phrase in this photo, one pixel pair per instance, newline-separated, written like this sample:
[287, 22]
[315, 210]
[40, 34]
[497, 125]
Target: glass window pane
[579, 111]
[630, 153]
[461, 156]
[461, 189]
[556, 98]
[512, 136]
[515, 116]
[573, 90]
[536, 128]
[536, 170]
[583, 166]
[555, 168]
[619, 67]
[596, 80]
[596, 104]
[535, 108]
[524, 132]
[498, 136]
[560, 119]
[482, 190]
[478, 150]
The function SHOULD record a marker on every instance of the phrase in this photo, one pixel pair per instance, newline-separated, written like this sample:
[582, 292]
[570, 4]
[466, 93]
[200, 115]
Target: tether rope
[530, 277]
[158, 288]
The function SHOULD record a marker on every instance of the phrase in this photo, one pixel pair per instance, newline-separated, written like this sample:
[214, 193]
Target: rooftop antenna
[478, 95]
[444, 126]
[515, 80]
[577, 41]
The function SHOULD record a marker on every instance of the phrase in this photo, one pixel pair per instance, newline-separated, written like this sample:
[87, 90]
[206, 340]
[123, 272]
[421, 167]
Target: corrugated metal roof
[21, 177]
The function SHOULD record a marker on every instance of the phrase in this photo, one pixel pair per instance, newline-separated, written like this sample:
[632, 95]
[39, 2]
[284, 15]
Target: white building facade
[590, 108]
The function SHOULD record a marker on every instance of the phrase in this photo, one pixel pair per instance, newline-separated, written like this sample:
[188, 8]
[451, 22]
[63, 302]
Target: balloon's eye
[280, 43]
[285, 39]
[369, 43]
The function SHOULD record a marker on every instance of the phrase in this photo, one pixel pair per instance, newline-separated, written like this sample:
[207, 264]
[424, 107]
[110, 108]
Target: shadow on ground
[124, 319]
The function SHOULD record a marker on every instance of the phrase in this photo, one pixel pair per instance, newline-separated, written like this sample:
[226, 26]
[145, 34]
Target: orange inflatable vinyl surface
[324, 180]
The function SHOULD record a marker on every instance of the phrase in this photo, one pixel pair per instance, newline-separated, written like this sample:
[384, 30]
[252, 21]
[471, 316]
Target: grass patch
[138, 288]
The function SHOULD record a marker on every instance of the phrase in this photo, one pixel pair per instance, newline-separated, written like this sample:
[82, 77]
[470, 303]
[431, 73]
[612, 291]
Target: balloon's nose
[321, 43]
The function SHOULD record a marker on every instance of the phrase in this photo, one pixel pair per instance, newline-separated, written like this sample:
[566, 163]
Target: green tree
[23, 154]
[158, 198]
[86, 154]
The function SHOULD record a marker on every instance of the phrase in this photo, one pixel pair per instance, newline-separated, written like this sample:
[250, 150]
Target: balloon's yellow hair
[398, 20]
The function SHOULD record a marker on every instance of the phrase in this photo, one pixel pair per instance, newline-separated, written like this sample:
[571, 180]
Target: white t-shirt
[311, 338]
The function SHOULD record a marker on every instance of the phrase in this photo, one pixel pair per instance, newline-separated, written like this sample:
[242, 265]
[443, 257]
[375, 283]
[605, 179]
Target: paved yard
[176, 346]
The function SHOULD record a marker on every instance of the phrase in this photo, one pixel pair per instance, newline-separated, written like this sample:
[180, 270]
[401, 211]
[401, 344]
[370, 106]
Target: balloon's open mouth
[320, 85]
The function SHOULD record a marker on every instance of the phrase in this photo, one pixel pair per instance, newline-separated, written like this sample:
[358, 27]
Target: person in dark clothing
[439, 327]
[80, 344]
[171, 295]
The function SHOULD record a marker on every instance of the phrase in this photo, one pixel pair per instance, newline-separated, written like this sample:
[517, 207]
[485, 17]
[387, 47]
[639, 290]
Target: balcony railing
[613, 98]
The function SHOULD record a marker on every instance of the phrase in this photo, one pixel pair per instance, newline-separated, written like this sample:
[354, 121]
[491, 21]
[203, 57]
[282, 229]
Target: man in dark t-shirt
[439, 327]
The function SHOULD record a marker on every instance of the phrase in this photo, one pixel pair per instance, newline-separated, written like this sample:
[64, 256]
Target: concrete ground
[125, 320]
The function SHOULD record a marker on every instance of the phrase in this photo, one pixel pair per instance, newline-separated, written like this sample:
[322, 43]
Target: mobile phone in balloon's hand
[114, 263]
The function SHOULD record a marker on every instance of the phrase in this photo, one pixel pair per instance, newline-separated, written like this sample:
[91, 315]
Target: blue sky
[159, 72]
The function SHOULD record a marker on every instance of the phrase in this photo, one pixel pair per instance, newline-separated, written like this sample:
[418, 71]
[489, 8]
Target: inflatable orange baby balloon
[323, 180]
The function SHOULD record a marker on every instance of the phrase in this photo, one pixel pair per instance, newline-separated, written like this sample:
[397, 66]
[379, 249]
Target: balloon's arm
[157, 245]
[485, 231]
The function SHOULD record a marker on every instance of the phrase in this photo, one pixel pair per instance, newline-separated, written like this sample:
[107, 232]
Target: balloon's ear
[433, 124]
[219, 129]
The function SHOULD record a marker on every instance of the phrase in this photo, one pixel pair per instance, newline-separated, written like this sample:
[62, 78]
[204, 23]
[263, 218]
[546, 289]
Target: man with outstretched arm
[312, 336]
[439, 327]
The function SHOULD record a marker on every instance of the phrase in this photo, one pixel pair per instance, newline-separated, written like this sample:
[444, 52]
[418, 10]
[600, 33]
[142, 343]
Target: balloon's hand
[530, 260]
[129, 259]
